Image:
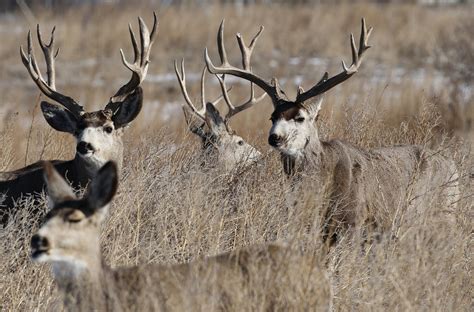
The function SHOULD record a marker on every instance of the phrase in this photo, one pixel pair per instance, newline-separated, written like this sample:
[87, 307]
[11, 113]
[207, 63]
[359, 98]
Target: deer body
[156, 287]
[363, 186]
[98, 134]
[69, 237]
[370, 187]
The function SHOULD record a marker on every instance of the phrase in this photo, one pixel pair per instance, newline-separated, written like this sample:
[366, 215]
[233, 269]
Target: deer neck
[82, 171]
[309, 158]
[81, 284]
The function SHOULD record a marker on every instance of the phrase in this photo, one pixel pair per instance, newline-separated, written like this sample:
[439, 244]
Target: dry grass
[169, 211]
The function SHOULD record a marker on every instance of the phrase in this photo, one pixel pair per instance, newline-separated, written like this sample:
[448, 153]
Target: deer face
[98, 134]
[232, 150]
[293, 127]
[70, 232]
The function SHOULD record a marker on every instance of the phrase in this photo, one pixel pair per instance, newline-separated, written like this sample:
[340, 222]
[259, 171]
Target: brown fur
[175, 287]
[375, 186]
[285, 111]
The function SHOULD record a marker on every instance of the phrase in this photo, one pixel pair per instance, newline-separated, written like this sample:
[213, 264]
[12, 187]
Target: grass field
[415, 87]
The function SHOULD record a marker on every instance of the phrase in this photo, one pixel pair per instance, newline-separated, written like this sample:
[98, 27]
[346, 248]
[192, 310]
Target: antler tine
[220, 44]
[244, 73]
[203, 87]
[47, 88]
[233, 110]
[247, 51]
[139, 67]
[49, 55]
[357, 54]
[201, 113]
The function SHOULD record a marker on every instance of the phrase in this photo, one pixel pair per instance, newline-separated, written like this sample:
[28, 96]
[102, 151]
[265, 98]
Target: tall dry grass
[169, 211]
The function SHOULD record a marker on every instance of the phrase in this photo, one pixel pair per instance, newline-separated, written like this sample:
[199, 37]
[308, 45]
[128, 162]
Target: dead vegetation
[169, 211]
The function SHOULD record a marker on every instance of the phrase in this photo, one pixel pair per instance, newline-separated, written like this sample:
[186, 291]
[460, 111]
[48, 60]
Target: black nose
[274, 140]
[84, 147]
[39, 242]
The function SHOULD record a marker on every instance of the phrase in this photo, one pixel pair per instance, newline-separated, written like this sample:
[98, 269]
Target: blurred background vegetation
[423, 53]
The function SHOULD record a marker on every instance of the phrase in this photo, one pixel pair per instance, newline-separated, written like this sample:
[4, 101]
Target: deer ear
[102, 187]
[58, 189]
[314, 107]
[126, 111]
[214, 120]
[58, 117]
[195, 124]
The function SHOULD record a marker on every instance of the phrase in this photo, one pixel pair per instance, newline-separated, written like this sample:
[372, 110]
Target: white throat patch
[67, 267]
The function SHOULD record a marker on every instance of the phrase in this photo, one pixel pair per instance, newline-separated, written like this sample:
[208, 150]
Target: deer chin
[93, 160]
[295, 153]
[40, 256]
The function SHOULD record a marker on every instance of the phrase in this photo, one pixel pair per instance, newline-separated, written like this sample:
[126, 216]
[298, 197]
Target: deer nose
[84, 148]
[274, 140]
[39, 242]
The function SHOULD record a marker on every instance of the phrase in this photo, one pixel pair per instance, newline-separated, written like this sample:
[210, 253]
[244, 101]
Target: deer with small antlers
[364, 186]
[98, 134]
[68, 239]
[220, 143]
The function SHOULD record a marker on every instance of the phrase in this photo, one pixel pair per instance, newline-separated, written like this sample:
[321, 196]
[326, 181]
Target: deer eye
[299, 119]
[75, 216]
[241, 142]
[108, 129]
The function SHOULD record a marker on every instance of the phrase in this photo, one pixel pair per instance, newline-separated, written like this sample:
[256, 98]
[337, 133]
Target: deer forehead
[57, 221]
[287, 111]
[96, 119]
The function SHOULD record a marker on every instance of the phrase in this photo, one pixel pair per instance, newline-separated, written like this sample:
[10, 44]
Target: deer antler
[234, 110]
[201, 112]
[246, 72]
[273, 89]
[141, 60]
[47, 88]
[327, 83]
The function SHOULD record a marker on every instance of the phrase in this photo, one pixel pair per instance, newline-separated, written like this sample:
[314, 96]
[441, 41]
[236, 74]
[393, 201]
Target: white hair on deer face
[220, 142]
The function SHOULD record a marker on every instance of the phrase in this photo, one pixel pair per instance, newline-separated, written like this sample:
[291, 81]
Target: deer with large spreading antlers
[364, 186]
[68, 239]
[98, 134]
[220, 143]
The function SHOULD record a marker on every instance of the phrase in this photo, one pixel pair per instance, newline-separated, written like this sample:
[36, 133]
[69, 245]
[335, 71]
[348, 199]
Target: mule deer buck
[98, 134]
[364, 186]
[220, 143]
[69, 241]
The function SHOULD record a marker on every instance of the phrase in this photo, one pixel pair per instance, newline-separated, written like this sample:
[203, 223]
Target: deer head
[214, 130]
[293, 121]
[69, 235]
[98, 133]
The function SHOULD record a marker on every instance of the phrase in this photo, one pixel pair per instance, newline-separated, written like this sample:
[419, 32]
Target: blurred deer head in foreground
[70, 231]
[220, 143]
